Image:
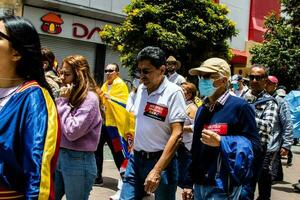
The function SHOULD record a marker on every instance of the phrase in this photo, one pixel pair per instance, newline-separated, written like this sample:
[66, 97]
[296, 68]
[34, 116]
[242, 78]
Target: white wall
[239, 13]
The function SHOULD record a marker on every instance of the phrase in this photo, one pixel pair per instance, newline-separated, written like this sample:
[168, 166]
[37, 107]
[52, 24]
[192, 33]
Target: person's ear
[16, 56]
[163, 69]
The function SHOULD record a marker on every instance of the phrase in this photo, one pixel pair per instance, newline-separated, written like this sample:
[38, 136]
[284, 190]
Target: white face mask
[136, 83]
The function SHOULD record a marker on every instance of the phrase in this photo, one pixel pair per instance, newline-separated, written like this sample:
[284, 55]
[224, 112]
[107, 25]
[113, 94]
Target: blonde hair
[83, 80]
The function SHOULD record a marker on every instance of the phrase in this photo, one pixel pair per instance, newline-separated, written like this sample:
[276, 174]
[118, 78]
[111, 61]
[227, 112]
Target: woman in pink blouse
[78, 108]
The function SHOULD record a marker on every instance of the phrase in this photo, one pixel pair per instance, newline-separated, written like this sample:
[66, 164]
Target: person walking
[282, 134]
[172, 66]
[29, 128]
[266, 109]
[79, 111]
[225, 139]
[159, 109]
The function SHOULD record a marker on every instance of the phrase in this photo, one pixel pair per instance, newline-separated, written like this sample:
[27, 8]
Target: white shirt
[154, 113]
[176, 78]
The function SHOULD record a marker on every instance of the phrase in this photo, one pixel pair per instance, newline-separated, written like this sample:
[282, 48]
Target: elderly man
[225, 129]
[282, 134]
[172, 66]
[159, 109]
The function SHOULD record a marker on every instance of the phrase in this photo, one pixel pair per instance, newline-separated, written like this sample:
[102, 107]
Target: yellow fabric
[50, 147]
[198, 101]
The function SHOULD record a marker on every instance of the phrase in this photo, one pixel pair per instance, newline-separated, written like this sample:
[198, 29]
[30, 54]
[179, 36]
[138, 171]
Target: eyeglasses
[144, 71]
[2, 35]
[109, 70]
[256, 77]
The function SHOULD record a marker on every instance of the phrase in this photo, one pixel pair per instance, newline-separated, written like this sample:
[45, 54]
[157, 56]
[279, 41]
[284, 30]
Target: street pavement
[280, 191]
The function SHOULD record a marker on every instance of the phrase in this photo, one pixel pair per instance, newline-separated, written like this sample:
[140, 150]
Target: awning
[239, 56]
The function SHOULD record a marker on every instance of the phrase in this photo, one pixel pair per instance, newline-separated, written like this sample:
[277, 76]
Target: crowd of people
[221, 139]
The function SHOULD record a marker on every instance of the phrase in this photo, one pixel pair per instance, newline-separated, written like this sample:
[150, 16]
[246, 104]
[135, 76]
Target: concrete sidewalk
[282, 191]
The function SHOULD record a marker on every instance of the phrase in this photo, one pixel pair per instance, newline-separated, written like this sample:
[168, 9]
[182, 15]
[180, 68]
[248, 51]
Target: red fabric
[239, 56]
[258, 10]
[217, 1]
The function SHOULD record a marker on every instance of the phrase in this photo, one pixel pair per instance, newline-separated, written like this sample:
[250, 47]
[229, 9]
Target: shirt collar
[221, 100]
[161, 87]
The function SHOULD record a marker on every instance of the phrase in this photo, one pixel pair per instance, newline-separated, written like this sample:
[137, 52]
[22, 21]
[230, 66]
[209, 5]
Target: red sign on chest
[156, 111]
[220, 128]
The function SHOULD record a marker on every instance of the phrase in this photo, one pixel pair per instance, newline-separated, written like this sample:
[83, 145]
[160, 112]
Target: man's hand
[284, 152]
[152, 181]
[210, 138]
[187, 194]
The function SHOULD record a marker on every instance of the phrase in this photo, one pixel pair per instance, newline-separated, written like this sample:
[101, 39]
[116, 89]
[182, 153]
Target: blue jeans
[75, 174]
[136, 173]
[184, 162]
[207, 192]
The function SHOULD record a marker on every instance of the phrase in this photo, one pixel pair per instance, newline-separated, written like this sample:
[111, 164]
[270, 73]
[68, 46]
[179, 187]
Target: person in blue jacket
[225, 137]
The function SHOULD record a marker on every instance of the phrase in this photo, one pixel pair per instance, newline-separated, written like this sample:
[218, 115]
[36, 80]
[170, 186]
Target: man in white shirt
[159, 109]
[172, 66]
[239, 89]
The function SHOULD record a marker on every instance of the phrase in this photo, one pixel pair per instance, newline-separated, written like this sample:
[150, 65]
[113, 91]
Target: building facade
[71, 27]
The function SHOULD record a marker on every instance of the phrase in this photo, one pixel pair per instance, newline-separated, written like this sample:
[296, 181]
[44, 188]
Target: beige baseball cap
[212, 65]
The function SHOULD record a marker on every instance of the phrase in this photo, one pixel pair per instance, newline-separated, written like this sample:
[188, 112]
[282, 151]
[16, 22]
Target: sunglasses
[2, 35]
[172, 63]
[256, 77]
[109, 70]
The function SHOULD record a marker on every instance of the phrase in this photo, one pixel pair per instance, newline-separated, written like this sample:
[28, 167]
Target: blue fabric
[237, 155]
[206, 192]
[23, 131]
[75, 174]
[136, 172]
[293, 99]
[239, 117]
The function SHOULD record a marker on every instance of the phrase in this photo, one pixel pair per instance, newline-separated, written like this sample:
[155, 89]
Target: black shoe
[99, 181]
[296, 187]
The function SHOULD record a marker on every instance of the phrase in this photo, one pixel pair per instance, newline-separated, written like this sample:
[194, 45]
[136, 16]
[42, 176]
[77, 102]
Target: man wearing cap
[239, 89]
[172, 66]
[159, 108]
[266, 110]
[282, 134]
[224, 130]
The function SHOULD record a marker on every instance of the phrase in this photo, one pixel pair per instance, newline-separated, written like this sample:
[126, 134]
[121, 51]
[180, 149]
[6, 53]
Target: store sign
[64, 25]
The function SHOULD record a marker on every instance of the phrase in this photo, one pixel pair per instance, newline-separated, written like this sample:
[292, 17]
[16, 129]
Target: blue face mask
[235, 86]
[206, 87]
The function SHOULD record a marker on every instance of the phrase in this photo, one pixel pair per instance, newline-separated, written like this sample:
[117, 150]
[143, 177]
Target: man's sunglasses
[144, 71]
[109, 70]
[2, 35]
[256, 77]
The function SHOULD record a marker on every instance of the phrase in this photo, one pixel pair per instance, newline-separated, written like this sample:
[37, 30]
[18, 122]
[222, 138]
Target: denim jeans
[75, 174]
[207, 192]
[136, 173]
[184, 162]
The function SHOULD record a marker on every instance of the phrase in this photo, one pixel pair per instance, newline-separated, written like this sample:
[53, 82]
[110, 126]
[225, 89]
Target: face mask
[235, 86]
[206, 87]
[136, 83]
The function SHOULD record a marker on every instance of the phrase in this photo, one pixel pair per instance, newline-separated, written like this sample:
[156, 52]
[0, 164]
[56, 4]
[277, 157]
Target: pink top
[81, 126]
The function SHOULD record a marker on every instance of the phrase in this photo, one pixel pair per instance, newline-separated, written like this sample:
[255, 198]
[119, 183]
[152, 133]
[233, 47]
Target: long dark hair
[25, 40]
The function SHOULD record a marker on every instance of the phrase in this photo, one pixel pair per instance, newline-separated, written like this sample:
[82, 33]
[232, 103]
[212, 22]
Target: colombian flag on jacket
[118, 120]
[29, 143]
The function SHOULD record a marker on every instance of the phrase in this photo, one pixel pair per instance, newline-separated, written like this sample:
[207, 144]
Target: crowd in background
[216, 140]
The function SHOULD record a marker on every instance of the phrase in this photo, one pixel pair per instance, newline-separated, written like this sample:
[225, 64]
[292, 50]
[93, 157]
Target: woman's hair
[25, 40]
[190, 88]
[47, 55]
[83, 80]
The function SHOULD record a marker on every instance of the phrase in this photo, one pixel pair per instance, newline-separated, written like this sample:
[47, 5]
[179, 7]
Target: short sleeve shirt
[154, 113]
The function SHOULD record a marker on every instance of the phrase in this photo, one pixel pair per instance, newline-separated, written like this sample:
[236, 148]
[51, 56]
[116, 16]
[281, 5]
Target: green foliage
[190, 30]
[280, 50]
